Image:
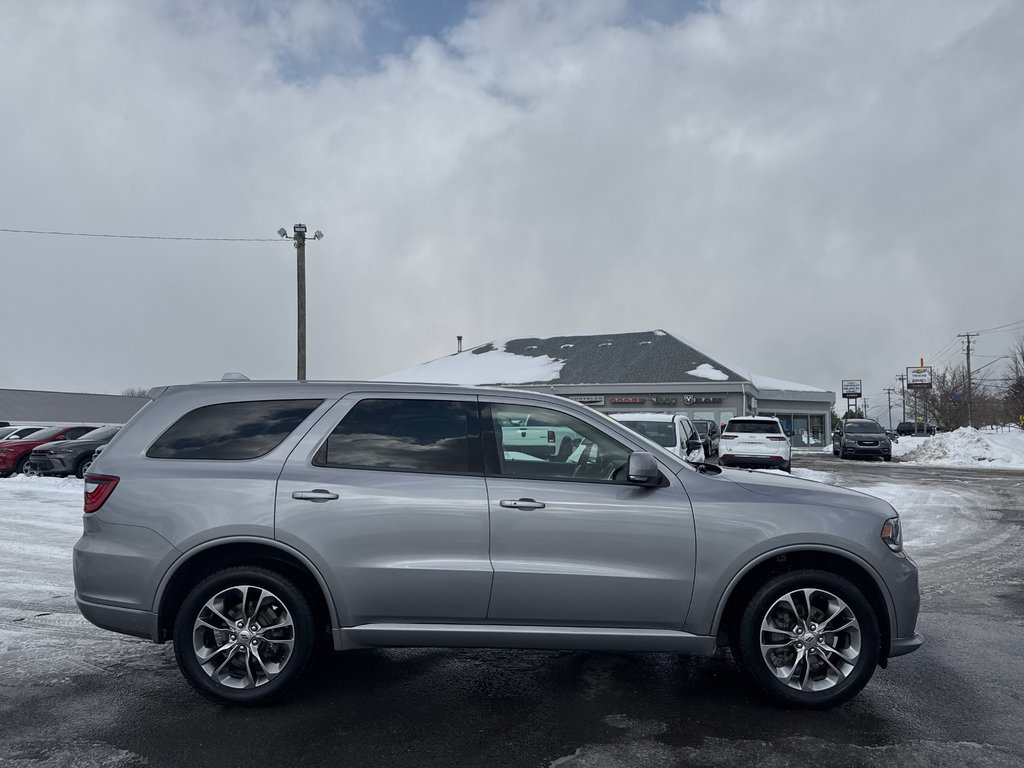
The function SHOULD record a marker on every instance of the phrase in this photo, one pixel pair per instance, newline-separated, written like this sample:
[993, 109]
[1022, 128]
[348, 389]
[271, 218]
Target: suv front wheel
[809, 638]
[244, 635]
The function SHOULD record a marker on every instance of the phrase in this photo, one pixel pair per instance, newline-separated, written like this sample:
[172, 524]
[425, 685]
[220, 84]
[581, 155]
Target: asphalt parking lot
[71, 694]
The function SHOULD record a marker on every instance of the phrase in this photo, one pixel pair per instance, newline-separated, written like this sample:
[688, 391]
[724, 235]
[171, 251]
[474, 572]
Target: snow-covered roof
[644, 357]
[766, 383]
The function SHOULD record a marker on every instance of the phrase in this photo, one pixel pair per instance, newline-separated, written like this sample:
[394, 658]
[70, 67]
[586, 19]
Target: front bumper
[49, 464]
[867, 451]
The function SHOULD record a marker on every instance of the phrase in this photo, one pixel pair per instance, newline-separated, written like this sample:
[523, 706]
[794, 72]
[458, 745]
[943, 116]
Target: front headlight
[61, 452]
[892, 534]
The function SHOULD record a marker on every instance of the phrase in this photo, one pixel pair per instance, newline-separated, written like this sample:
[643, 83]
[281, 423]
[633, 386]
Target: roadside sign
[851, 388]
[919, 378]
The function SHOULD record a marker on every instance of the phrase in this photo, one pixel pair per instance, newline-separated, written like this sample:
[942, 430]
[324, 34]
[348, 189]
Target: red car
[14, 454]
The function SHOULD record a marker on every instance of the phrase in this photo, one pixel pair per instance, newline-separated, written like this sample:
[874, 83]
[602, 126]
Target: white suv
[673, 432]
[755, 442]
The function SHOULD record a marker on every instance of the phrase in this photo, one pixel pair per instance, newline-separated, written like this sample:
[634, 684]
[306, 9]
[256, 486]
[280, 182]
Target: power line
[1002, 327]
[144, 237]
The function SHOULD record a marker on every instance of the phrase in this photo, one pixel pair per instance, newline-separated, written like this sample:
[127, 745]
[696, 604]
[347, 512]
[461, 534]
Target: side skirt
[504, 636]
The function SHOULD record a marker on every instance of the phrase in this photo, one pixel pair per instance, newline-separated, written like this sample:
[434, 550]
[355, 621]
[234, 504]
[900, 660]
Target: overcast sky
[813, 190]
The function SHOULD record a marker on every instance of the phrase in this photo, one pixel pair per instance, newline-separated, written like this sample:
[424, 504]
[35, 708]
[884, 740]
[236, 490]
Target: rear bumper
[127, 621]
[753, 462]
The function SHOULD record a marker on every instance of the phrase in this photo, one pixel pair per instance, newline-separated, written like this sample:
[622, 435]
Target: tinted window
[578, 451]
[232, 431]
[46, 434]
[77, 432]
[754, 427]
[407, 435]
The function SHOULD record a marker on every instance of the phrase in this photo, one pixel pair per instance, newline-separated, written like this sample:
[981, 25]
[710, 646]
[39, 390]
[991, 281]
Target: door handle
[521, 504]
[317, 494]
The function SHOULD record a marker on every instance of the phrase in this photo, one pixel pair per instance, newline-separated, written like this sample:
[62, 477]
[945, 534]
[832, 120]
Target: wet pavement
[72, 694]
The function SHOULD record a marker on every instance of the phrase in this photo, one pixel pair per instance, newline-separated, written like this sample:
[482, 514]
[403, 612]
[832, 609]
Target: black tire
[835, 451]
[82, 467]
[788, 467]
[763, 606]
[842, 453]
[286, 601]
[22, 467]
[887, 458]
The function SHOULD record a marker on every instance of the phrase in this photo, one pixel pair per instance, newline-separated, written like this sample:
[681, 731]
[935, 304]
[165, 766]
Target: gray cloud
[816, 191]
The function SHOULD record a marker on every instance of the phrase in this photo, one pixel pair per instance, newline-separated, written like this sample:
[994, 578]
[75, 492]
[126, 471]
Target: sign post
[851, 391]
[919, 378]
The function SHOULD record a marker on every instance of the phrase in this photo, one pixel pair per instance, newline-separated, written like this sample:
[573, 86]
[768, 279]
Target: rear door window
[434, 436]
[232, 431]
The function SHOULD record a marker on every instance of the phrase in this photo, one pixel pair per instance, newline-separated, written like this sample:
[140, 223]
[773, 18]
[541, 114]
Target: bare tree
[1015, 381]
[134, 392]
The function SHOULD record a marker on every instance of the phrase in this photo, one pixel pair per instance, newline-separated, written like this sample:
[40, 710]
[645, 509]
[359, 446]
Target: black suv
[861, 438]
[905, 428]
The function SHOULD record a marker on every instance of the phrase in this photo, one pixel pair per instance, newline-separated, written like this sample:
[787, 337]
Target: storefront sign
[919, 378]
[701, 400]
[628, 400]
[588, 399]
[664, 400]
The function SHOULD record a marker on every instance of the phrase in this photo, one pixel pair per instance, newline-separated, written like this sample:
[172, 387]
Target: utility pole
[970, 390]
[865, 408]
[888, 396]
[299, 238]
[903, 394]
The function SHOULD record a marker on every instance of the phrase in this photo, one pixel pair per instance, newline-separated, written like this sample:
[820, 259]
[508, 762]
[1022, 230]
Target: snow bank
[969, 447]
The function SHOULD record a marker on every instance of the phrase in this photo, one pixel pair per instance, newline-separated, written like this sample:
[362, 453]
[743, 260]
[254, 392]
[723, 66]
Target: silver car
[245, 520]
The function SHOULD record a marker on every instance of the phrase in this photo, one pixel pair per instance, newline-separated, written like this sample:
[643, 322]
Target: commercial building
[642, 371]
[27, 406]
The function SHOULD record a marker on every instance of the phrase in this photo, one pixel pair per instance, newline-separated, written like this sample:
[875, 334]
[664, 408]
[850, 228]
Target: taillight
[97, 489]
[776, 437]
[551, 435]
[728, 437]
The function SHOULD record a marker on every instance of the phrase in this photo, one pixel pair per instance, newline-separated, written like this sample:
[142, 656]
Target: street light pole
[299, 238]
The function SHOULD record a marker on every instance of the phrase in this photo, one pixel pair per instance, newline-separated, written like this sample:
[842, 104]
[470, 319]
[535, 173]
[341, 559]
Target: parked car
[673, 432]
[710, 433]
[905, 428]
[66, 457]
[755, 442]
[861, 438]
[21, 432]
[244, 520]
[14, 454]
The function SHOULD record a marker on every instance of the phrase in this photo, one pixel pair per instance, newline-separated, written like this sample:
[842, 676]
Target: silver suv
[245, 521]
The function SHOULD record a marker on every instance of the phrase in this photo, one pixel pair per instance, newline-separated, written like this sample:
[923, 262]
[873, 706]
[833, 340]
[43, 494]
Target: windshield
[661, 432]
[863, 428]
[46, 434]
[100, 433]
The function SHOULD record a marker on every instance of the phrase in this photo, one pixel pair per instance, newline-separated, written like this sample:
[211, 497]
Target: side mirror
[694, 443]
[790, 433]
[643, 469]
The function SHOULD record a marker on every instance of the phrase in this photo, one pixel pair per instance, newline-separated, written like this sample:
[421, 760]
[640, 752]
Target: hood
[54, 444]
[810, 492]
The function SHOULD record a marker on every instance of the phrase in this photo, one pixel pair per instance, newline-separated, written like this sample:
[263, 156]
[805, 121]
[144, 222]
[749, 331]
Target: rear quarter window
[232, 431]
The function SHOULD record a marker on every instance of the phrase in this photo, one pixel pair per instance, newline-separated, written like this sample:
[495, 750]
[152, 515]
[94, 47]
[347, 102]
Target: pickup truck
[534, 436]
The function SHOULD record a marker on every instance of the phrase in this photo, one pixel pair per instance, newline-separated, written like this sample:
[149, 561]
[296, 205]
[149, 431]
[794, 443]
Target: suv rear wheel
[809, 638]
[244, 635]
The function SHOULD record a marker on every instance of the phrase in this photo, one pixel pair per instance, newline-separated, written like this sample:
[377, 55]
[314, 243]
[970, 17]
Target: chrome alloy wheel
[243, 636]
[810, 640]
